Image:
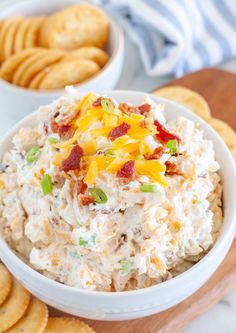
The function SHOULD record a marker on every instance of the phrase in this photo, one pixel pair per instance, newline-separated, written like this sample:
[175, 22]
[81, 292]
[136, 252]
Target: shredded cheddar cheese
[84, 123]
[103, 131]
[131, 148]
[86, 103]
[94, 122]
[132, 121]
[89, 147]
[59, 157]
[144, 148]
[160, 265]
[176, 225]
[102, 161]
[173, 242]
[2, 184]
[91, 174]
[139, 133]
[158, 177]
[122, 141]
[110, 120]
[116, 164]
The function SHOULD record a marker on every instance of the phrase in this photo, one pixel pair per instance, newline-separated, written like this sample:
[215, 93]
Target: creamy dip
[108, 196]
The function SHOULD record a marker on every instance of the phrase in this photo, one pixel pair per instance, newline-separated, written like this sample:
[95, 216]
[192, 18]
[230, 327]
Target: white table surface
[222, 317]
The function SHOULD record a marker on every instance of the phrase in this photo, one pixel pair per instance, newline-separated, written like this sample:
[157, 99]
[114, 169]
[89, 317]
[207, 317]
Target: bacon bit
[163, 135]
[158, 152]
[59, 180]
[73, 160]
[66, 132]
[172, 169]
[54, 126]
[45, 128]
[85, 200]
[82, 187]
[118, 131]
[125, 108]
[142, 109]
[63, 129]
[97, 102]
[127, 170]
[77, 172]
[55, 222]
[122, 240]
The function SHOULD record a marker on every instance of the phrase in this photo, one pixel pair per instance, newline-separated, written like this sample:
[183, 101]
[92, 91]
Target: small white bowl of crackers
[47, 45]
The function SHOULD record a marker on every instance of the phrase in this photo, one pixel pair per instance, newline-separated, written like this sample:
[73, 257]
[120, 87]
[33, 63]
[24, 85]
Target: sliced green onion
[172, 146]
[98, 195]
[46, 184]
[148, 188]
[53, 140]
[107, 105]
[83, 242]
[33, 154]
[74, 254]
[93, 239]
[126, 266]
[111, 152]
[140, 157]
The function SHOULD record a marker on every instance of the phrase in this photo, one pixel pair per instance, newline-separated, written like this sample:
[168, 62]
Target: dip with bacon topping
[108, 196]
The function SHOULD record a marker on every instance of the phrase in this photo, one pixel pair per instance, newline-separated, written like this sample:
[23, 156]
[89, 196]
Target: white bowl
[19, 102]
[143, 302]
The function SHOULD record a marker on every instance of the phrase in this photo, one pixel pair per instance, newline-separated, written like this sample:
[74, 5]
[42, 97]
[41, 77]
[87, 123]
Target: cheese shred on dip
[110, 196]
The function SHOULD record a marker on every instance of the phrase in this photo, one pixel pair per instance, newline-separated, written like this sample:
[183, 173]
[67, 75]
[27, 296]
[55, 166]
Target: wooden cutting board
[219, 89]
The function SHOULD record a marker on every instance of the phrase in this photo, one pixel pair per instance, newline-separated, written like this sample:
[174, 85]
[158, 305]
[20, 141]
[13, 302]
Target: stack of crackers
[196, 103]
[51, 52]
[20, 312]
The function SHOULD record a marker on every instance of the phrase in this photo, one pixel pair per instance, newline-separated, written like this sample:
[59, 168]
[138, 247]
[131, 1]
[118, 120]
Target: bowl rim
[192, 271]
[118, 49]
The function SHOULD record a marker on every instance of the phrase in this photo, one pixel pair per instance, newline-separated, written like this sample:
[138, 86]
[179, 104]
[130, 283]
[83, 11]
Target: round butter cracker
[24, 65]
[226, 132]
[90, 53]
[187, 97]
[68, 325]
[14, 306]
[34, 320]
[10, 65]
[4, 43]
[8, 47]
[75, 26]
[50, 57]
[5, 283]
[32, 33]
[44, 29]
[21, 32]
[35, 82]
[69, 73]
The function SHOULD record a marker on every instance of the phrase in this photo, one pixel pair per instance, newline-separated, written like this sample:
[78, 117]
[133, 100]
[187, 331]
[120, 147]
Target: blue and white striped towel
[179, 36]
